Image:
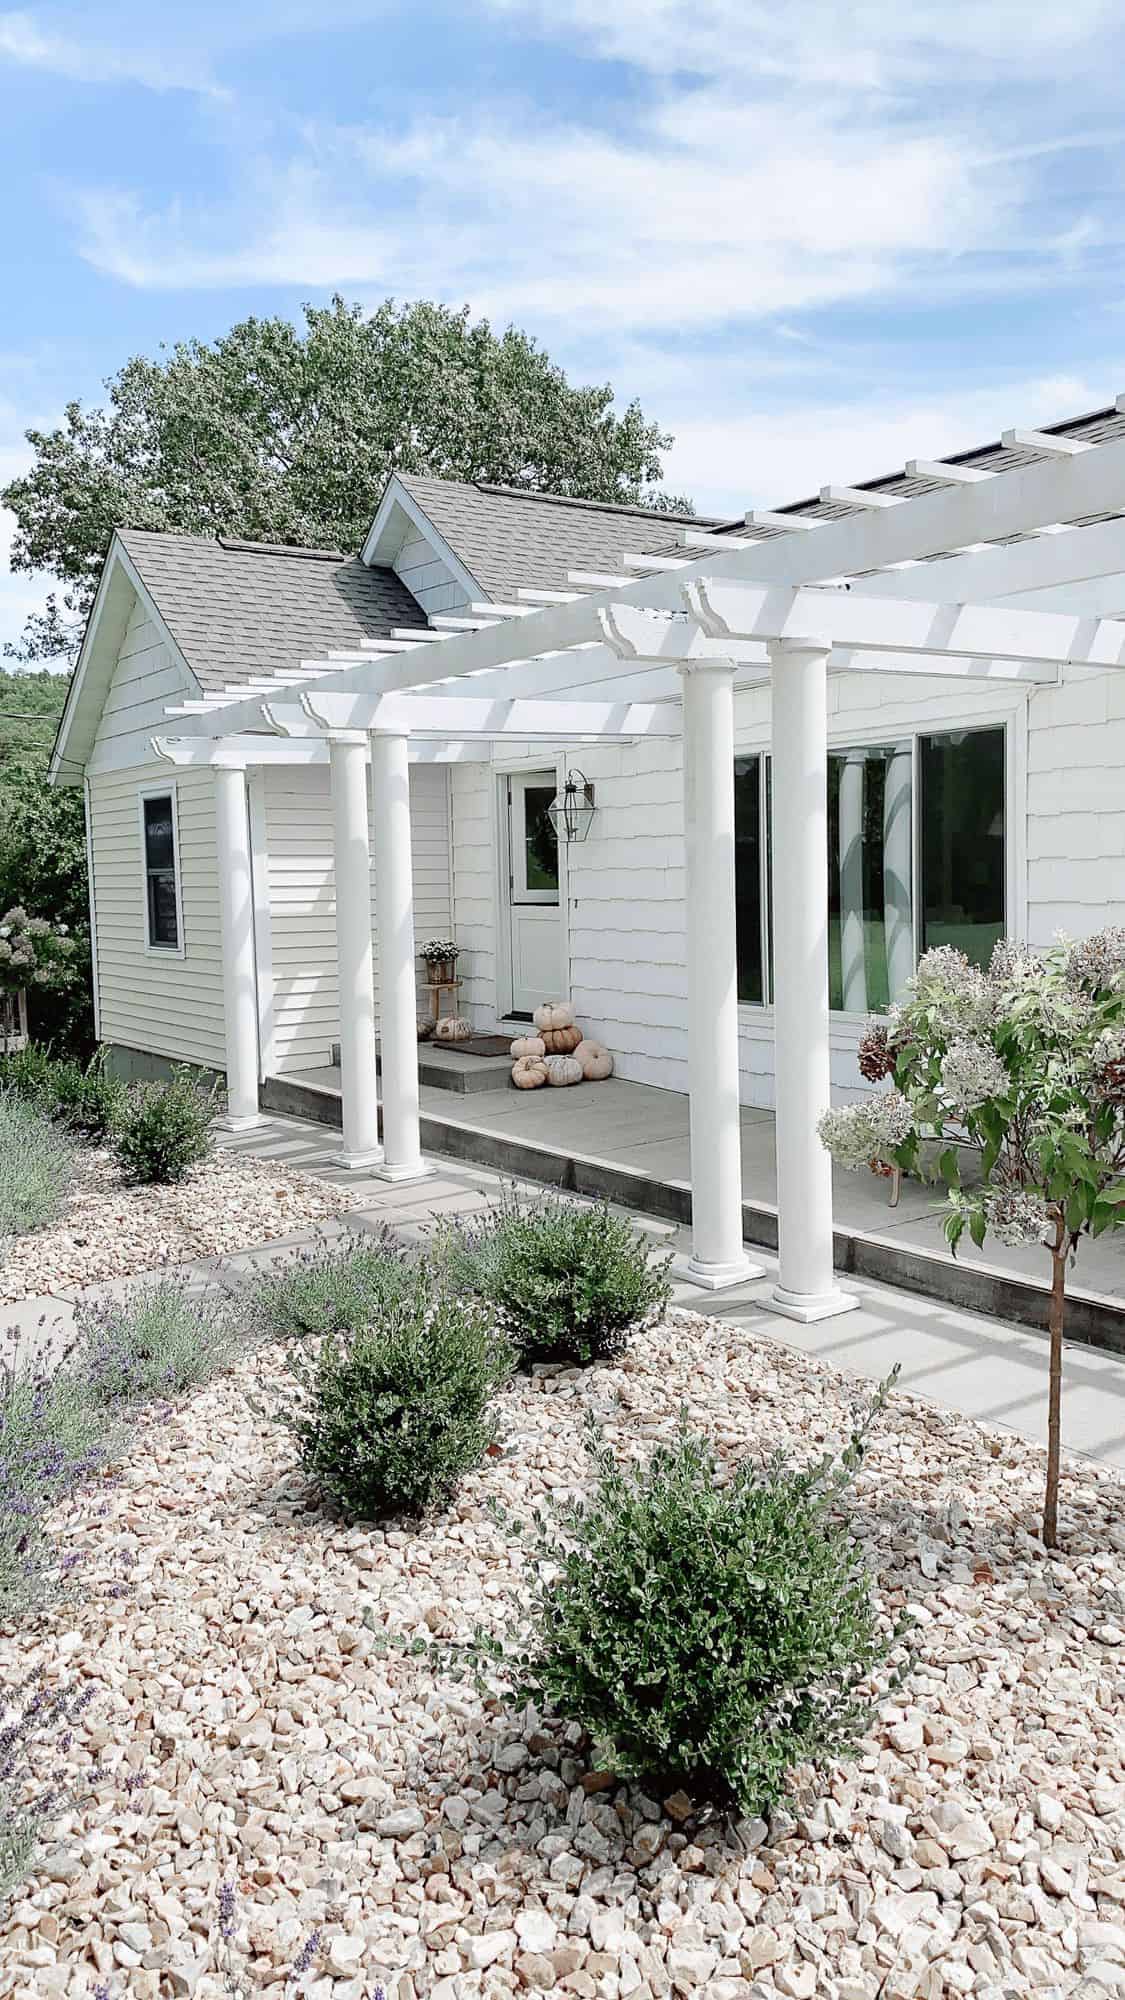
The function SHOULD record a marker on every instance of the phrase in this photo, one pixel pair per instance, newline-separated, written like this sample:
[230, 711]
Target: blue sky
[813, 239]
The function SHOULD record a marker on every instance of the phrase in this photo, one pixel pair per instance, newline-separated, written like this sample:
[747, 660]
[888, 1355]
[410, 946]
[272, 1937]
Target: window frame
[874, 733]
[166, 789]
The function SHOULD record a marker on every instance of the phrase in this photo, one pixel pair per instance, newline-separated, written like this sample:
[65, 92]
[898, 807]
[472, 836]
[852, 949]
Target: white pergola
[869, 581]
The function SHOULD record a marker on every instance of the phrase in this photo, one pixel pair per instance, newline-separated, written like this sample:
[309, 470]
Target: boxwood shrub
[567, 1280]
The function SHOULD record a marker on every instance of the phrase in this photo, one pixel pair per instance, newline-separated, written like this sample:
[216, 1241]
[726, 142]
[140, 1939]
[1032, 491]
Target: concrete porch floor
[629, 1142]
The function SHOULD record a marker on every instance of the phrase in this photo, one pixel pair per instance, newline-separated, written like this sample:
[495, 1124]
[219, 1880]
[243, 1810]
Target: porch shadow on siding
[627, 1143]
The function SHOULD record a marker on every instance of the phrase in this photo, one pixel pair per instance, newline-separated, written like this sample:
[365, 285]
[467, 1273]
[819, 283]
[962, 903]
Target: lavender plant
[155, 1342]
[36, 1168]
[1025, 1063]
[38, 1775]
[52, 1439]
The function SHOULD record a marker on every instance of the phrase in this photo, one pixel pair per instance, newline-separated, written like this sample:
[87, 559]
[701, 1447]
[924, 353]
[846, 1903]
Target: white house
[970, 780]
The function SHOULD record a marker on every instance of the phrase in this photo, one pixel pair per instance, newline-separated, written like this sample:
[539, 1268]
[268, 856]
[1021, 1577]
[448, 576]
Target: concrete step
[446, 1069]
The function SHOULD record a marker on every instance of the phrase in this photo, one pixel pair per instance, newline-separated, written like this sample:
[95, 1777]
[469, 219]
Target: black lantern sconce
[572, 809]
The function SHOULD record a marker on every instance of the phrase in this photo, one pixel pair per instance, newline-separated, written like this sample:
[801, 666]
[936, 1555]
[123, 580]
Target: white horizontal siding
[427, 578]
[1076, 806]
[171, 1006]
[146, 678]
[302, 901]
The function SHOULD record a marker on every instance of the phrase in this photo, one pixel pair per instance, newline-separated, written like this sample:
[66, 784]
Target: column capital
[229, 760]
[346, 738]
[695, 668]
[797, 648]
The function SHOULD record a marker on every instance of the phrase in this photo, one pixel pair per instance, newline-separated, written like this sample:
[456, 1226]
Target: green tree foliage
[280, 433]
[43, 846]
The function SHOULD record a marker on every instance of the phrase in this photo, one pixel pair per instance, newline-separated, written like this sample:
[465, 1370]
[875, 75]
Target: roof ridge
[237, 544]
[593, 506]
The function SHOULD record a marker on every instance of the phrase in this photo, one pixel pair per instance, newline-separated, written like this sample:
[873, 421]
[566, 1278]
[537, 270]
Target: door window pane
[748, 877]
[962, 777]
[870, 927]
[540, 839]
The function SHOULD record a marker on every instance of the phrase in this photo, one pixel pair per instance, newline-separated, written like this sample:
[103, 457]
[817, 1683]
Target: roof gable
[498, 539]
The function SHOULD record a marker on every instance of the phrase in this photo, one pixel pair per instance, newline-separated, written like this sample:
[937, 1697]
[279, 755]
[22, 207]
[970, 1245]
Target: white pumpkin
[528, 1045]
[452, 1028]
[563, 1069]
[554, 1014]
[561, 1041]
[595, 1059]
[529, 1072]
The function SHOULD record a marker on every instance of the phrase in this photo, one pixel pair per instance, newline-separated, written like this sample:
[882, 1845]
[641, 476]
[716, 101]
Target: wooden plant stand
[435, 988]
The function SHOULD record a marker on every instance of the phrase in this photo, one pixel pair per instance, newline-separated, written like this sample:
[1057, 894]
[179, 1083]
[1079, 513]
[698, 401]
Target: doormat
[477, 1045]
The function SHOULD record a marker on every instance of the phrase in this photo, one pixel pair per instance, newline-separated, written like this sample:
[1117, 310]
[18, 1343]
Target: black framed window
[963, 841]
[914, 825]
[162, 908]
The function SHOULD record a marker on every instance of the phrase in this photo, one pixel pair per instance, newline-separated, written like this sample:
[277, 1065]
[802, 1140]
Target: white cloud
[85, 60]
[710, 211]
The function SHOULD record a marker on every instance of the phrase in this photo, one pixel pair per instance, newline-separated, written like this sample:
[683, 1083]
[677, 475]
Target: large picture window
[162, 889]
[916, 858]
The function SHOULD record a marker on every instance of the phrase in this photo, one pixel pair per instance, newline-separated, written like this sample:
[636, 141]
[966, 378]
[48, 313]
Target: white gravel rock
[445, 1847]
[112, 1229]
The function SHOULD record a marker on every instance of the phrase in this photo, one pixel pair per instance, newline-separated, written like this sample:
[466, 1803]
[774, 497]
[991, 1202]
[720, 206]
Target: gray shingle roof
[507, 538]
[241, 609]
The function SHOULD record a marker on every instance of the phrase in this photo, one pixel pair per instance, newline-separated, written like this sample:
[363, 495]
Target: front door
[535, 920]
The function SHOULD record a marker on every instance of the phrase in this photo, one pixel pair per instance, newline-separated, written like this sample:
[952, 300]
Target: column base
[809, 1306]
[243, 1121]
[360, 1162]
[418, 1171]
[716, 1277]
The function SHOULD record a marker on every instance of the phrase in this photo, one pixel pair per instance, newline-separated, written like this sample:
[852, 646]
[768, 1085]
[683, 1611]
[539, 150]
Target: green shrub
[86, 1099]
[36, 1167]
[388, 1416]
[707, 1635]
[336, 1291]
[27, 1071]
[567, 1281]
[164, 1129]
[155, 1342]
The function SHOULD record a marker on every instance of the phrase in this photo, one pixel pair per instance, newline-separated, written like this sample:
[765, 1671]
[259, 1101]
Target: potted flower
[32, 953]
[440, 957]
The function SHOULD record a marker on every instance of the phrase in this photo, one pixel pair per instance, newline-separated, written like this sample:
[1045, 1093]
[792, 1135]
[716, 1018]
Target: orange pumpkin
[528, 1045]
[561, 1041]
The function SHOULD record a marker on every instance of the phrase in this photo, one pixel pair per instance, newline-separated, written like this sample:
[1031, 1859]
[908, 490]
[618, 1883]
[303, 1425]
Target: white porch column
[236, 924]
[853, 943]
[806, 1288]
[398, 999]
[717, 1256]
[359, 1087]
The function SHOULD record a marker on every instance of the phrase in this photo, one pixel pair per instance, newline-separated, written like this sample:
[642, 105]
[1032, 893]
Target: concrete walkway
[988, 1370]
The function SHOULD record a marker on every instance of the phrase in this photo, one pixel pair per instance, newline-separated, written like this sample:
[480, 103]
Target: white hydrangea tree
[1025, 1063]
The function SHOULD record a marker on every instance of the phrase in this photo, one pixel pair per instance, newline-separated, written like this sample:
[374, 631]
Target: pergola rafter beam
[498, 720]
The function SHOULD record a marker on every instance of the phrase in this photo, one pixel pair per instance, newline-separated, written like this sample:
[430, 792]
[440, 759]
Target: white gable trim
[119, 588]
[383, 544]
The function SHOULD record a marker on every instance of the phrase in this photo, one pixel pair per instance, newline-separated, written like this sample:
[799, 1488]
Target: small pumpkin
[452, 1028]
[596, 1061]
[561, 1041]
[554, 1014]
[563, 1069]
[528, 1045]
[529, 1072]
[425, 1027]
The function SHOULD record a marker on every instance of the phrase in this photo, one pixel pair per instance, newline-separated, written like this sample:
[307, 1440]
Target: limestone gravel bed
[112, 1229]
[448, 1848]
